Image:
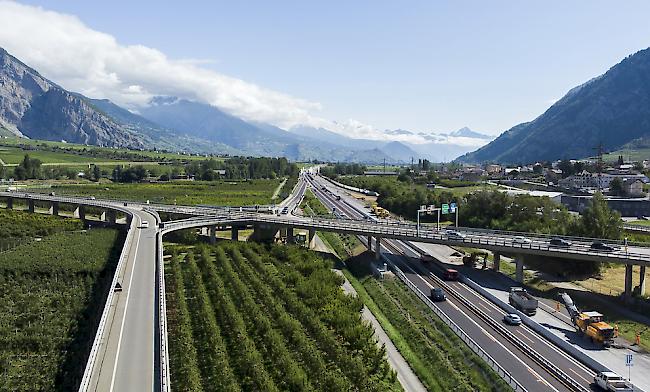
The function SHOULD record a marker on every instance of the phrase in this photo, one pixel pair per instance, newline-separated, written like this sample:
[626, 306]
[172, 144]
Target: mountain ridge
[612, 109]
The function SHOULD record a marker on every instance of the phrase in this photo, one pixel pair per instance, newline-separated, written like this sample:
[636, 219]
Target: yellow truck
[589, 324]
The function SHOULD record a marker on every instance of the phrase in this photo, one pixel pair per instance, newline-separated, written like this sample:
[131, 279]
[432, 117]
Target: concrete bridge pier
[519, 268]
[109, 216]
[378, 248]
[290, 236]
[310, 238]
[54, 208]
[496, 264]
[212, 234]
[234, 233]
[264, 232]
[30, 205]
[10, 203]
[80, 212]
[642, 280]
[369, 243]
[628, 281]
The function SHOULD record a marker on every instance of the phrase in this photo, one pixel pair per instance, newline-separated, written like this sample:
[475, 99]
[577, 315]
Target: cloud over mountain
[93, 63]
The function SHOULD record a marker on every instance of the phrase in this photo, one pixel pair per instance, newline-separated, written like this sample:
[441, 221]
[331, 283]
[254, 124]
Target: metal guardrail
[478, 350]
[532, 353]
[165, 375]
[101, 328]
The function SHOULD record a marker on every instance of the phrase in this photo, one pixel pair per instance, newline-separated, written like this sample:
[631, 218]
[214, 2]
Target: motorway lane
[126, 360]
[518, 363]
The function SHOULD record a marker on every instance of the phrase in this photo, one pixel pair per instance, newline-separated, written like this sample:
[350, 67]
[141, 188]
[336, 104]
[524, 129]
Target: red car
[450, 274]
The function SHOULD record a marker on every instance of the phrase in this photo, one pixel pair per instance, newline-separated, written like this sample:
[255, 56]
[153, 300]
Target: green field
[221, 193]
[51, 296]
[169, 156]
[14, 155]
[633, 155]
[248, 317]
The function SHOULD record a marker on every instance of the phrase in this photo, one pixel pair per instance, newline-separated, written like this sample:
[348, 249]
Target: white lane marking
[577, 374]
[533, 372]
[119, 341]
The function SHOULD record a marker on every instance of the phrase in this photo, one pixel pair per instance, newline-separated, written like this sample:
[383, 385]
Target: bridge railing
[101, 328]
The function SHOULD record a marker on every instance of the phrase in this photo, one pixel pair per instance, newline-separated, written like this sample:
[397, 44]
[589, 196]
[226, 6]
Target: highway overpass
[130, 346]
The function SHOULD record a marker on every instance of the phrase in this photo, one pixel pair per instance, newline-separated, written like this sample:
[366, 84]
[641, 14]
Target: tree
[616, 187]
[97, 173]
[600, 221]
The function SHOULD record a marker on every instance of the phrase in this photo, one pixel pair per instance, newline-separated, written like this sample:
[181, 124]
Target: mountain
[399, 151]
[612, 109]
[35, 107]
[159, 136]
[466, 132]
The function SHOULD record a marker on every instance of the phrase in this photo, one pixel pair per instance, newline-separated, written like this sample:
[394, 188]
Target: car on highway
[91, 198]
[520, 239]
[610, 381]
[512, 319]
[285, 210]
[51, 194]
[601, 246]
[561, 242]
[437, 295]
[450, 274]
[456, 235]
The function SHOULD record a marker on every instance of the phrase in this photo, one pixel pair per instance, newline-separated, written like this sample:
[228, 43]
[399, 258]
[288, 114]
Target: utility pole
[599, 164]
[384, 165]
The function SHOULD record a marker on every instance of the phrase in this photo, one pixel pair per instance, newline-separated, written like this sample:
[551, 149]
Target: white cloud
[93, 63]
[81, 59]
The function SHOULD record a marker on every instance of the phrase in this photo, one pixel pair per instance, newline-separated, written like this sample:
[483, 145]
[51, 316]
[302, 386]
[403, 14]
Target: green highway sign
[445, 208]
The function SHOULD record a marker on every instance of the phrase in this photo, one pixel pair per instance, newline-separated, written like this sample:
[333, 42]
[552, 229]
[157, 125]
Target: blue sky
[421, 65]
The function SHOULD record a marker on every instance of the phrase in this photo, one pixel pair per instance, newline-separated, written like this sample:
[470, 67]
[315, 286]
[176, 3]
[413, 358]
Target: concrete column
[234, 233]
[30, 205]
[642, 280]
[213, 234]
[290, 238]
[310, 238]
[10, 203]
[369, 243]
[496, 265]
[111, 216]
[54, 208]
[378, 248]
[80, 212]
[519, 269]
[628, 281]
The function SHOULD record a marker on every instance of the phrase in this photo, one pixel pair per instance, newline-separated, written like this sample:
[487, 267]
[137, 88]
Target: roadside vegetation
[440, 359]
[51, 296]
[437, 356]
[266, 318]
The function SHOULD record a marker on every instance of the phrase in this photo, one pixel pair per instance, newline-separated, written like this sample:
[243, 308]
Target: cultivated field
[246, 317]
[51, 295]
[183, 193]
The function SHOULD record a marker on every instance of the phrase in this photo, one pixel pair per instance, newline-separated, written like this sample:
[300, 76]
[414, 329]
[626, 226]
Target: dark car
[557, 241]
[438, 295]
[601, 246]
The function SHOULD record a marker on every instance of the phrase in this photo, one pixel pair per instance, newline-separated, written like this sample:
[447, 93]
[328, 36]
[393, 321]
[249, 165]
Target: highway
[126, 354]
[532, 374]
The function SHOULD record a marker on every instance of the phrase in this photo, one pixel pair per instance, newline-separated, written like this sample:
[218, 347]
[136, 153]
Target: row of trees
[267, 320]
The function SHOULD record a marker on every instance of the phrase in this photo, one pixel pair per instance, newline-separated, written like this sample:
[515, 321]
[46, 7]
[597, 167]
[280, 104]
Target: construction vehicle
[590, 324]
[379, 211]
[521, 300]
[470, 259]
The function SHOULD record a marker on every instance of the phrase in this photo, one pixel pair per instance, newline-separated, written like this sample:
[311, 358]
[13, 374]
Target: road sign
[445, 208]
[452, 208]
[629, 360]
